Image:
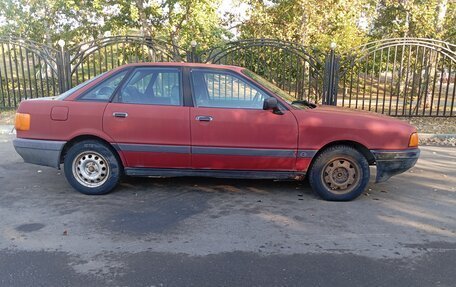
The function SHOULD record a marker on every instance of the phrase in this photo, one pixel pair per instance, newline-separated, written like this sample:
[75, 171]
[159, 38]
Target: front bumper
[40, 152]
[390, 163]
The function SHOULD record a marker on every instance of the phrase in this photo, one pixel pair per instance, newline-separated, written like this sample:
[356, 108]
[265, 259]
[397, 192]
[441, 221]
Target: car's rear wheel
[339, 173]
[91, 167]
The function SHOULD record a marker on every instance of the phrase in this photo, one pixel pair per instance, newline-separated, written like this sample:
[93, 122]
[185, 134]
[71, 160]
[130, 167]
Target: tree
[175, 21]
[316, 23]
[309, 22]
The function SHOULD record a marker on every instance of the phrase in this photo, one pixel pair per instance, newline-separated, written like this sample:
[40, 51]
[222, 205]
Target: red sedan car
[176, 119]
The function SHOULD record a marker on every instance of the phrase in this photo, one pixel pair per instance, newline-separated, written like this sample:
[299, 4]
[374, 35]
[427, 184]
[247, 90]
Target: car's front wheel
[92, 168]
[339, 173]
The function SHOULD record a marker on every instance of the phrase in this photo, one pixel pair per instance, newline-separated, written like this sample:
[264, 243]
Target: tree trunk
[441, 13]
[303, 25]
[145, 30]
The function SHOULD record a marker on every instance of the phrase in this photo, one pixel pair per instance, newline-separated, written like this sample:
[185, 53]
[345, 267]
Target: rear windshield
[74, 89]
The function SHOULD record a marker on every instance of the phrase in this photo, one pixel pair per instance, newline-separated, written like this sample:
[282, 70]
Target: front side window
[279, 92]
[153, 86]
[225, 90]
[103, 91]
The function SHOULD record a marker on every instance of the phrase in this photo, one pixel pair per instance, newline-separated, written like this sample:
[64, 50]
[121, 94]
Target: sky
[235, 7]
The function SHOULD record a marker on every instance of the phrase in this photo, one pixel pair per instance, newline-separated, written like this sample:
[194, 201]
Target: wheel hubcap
[340, 175]
[90, 169]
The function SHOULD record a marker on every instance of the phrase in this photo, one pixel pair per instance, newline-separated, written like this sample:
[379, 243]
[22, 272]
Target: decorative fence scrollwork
[95, 57]
[27, 70]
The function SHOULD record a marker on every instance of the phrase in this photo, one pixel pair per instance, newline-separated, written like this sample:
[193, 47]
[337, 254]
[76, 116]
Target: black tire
[101, 169]
[339, 173]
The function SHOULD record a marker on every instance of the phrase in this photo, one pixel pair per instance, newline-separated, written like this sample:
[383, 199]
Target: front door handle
[204, 118]
[120, 114]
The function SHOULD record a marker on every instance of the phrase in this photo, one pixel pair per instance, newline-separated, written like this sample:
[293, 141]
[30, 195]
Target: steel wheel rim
[90, 169]
[341, 175]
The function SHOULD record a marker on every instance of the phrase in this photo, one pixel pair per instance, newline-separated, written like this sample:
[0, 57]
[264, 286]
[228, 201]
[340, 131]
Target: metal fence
[398, 77]
[27, 70]
[291, 67]
[95, 57]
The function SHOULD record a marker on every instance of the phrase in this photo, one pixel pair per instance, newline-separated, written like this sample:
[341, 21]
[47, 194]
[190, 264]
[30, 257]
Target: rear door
[231, 131]
[148, 121]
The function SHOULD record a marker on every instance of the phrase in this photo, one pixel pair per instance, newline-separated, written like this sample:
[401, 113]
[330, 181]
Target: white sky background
[236, 8]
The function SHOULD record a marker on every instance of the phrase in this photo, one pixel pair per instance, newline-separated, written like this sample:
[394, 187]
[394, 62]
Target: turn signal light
[413, 140]
[22, 122]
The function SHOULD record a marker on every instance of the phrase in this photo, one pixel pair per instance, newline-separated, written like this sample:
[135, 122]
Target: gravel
[437, 140]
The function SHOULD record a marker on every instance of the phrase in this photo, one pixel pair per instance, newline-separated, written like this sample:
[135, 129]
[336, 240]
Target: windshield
[277, 91]
[72, 90]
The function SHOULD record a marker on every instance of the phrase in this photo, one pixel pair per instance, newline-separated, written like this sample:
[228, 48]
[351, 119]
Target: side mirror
[271, 103]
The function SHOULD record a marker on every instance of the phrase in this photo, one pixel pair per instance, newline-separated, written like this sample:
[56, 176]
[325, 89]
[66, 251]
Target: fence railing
[398, 77]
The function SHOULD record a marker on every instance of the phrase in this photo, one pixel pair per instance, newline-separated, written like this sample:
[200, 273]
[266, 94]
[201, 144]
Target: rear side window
[153, 86]
[103, 91]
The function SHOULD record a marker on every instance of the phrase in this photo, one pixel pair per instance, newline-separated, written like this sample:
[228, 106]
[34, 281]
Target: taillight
[413, 142]
[22, 122]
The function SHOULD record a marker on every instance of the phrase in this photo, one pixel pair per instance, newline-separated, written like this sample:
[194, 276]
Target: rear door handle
[204, 118]
[120, 114]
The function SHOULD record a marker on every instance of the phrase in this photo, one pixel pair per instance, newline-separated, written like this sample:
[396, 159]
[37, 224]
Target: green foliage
[348, 23]
[314, 23]
[175, 21]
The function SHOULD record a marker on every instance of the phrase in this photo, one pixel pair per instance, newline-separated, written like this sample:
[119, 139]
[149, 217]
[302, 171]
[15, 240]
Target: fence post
[193, 56]
[331, 77]
[61, 67]
[67, 66]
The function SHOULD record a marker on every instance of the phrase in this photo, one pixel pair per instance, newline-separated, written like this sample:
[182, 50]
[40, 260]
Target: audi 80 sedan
[179, 119]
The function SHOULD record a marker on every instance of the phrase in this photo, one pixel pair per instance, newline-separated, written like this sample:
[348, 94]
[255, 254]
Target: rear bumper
[40, 152]
[390, 163]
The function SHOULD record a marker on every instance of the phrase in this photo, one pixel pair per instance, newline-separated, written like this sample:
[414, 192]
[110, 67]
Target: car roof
[182, 64]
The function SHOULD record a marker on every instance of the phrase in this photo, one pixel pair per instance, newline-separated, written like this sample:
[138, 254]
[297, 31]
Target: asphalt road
[214, 232]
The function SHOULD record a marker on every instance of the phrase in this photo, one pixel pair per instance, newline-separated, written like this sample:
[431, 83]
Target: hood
[373, 130]
[365, 116]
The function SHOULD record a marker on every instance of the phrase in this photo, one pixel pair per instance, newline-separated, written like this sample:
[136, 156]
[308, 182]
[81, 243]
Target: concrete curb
[443, 136]
[437, 139]
[7, 130]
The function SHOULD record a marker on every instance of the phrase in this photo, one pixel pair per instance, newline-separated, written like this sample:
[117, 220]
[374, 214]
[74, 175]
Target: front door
[148, 121]
[231, 131]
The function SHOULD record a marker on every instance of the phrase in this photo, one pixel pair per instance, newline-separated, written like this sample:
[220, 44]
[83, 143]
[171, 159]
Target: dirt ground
[438, 125]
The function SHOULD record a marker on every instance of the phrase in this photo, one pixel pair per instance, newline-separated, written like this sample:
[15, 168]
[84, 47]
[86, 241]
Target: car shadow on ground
[210, 185]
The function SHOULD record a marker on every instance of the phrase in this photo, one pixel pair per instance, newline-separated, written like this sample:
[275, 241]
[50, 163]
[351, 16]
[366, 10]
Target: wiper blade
[305, 103]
